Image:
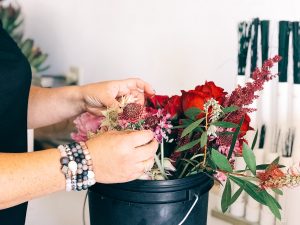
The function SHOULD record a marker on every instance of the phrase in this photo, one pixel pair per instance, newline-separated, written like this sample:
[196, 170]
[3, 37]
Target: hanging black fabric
[296, 52]
[244, 30]
[255, 24]
[283, 49]
[15, 79]
[264, 28]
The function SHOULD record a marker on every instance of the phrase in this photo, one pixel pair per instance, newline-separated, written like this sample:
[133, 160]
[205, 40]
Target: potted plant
[201, 132]
[12, 22]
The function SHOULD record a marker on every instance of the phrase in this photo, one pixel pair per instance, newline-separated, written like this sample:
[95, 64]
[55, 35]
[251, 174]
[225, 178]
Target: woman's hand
[104, 94]
[121, 156]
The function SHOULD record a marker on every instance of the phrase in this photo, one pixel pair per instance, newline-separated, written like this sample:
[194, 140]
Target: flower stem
[205, 146]
[157, 161]
[183, 171]
[162, 152]
[235, 173]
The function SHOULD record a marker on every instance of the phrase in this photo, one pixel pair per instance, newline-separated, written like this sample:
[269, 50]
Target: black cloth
[15, 80]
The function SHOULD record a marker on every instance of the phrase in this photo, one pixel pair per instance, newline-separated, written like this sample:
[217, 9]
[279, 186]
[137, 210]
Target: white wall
[173, 44]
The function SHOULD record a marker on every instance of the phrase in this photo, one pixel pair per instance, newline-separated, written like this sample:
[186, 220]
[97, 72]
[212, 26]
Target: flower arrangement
[201, 131]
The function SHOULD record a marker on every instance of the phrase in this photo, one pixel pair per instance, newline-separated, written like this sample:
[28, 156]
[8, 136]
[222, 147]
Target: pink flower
[220, 176]
[236, 151]
[85, 123]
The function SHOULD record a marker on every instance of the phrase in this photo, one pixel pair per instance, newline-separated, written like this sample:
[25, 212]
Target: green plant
[12, 21]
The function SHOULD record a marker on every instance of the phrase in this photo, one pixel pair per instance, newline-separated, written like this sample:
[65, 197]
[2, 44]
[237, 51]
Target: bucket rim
[153, 185]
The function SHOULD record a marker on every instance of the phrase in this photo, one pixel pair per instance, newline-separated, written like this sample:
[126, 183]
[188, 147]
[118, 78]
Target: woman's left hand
[104, 94]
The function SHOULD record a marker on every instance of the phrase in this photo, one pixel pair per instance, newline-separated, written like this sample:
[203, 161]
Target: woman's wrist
[77, 166]
[76, 98]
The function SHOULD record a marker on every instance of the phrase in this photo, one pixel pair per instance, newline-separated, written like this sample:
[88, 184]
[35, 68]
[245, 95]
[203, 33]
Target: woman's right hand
[122, 156]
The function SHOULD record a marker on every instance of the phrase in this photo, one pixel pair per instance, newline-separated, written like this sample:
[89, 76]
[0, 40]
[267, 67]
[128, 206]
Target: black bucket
[144, 202]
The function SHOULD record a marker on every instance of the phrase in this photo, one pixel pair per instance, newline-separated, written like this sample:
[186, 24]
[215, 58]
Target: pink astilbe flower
[243, 96]
[86, 123]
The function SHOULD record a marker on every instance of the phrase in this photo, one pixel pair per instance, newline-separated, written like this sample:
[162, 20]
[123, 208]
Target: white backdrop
[173, 44]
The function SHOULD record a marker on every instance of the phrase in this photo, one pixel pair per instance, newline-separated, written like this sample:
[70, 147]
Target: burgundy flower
[132, 112]
[151, 122]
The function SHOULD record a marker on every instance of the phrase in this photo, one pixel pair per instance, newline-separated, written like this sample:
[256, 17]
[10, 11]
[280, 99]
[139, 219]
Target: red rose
[192, 99]
[209, 89]
[201, 94]
[173, 106]
[158, 101]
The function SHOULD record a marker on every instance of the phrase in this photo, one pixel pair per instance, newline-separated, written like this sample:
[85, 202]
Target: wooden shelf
[230, 219]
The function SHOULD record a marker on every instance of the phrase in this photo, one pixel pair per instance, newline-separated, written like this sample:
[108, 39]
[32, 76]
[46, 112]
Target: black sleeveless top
[15, 80]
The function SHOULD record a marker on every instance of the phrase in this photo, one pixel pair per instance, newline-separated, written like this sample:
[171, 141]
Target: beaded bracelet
[77, 166]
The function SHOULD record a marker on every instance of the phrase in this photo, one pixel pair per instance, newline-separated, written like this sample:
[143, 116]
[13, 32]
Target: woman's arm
[25, 176]
[117, 157]
[48, 106]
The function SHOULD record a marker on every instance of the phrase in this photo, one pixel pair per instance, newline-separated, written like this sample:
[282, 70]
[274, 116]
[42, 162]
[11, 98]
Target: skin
[117, 156]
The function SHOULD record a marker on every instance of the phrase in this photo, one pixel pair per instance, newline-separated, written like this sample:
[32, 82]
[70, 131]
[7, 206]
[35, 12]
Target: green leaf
[188, 145]
[192, 113]
[274, 162]
[273, 205]
[249, 158]
[277, 191]
[236, 195]
[254, 140]
[203, 139]
[225, 124]
[230, 109]
[226, 196]
[191, 127]
[211, 163]
[253, 190]
[220, 160]
[186, 121]
[265, 166]
[234, 138]
[179, 126]
[273, 199]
